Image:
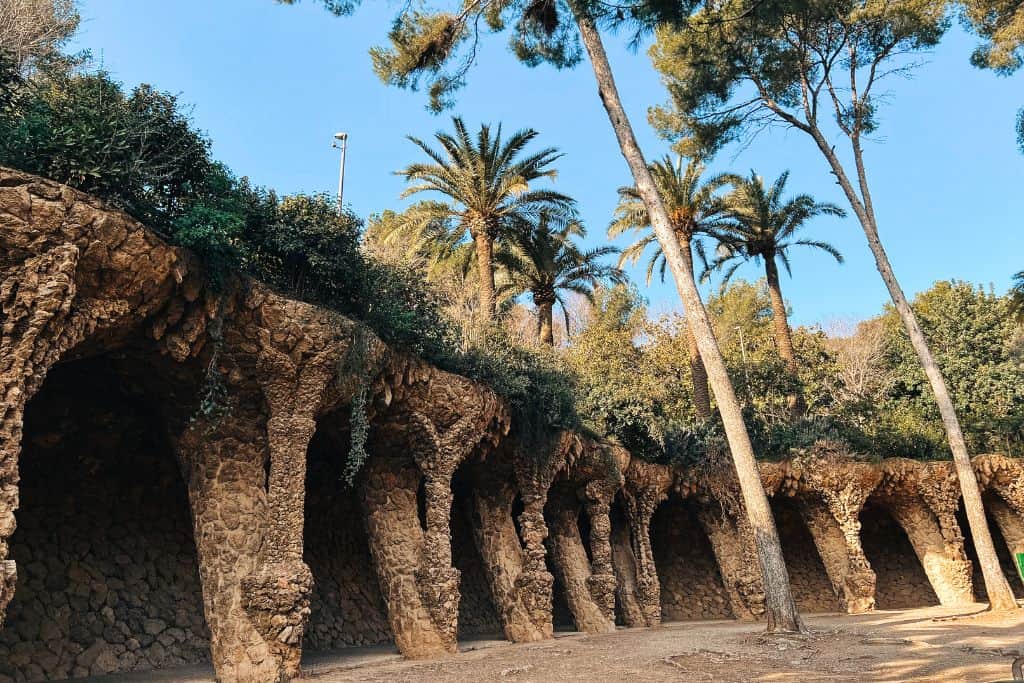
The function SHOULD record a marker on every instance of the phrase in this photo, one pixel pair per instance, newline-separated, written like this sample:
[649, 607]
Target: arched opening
[347, 609]
[478, 617]
[1002, 552]
[901, 582]
[562, 618]
[691, 584]
[812, 589]
[108, 576]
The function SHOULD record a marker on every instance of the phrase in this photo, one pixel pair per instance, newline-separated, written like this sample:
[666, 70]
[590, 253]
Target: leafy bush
[535, 382]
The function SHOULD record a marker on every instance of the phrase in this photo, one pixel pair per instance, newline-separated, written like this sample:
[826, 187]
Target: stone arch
[478, 612]
[109, 577]
[691, 582]
[901, 579]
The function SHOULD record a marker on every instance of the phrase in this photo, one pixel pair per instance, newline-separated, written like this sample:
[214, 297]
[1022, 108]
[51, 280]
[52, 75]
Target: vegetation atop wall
[413, 276]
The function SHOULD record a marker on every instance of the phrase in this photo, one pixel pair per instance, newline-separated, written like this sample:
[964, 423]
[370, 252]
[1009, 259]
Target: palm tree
[546, 263]
[693, 209]
[763, 229]
[488, 185]
[781, 608]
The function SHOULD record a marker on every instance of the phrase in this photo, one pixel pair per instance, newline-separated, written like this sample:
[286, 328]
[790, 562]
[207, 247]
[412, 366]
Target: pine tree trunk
[782, 613]
[485, 268]
[783, 335]
[998, 589]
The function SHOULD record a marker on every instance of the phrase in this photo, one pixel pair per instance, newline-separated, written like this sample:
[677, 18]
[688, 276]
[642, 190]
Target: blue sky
[271, 84]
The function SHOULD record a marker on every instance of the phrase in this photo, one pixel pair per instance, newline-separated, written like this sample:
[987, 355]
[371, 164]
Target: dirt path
[911, 645]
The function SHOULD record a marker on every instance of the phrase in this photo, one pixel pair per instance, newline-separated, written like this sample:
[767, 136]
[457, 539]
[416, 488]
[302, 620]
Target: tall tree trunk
[782, 613]
[701, 395]
[485, 268]
[545, 322]
[783, 335]
[698, 373]
[998, 589]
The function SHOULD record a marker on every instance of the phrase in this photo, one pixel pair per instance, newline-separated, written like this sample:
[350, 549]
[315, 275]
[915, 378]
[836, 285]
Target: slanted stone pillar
[223, 462]
[848, 570]
[35, 309]
[646, 486]
[430, 421]
[948, 571]
[396, 542]
[832, 490]
[923, 499]
[504, 558]
[732, 543]
[569, 557]
[624, 561]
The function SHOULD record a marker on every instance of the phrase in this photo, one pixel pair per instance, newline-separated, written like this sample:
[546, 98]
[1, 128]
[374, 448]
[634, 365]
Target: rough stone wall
[346, 607]
[109, 579]
[248, 377]
[691, 584]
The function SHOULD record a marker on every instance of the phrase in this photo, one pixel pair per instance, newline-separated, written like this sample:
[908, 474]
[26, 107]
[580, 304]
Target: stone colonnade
[263, 373]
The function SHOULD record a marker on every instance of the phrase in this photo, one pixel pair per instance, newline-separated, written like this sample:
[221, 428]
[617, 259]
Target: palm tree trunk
[1000, 595]
[783, 335]
[545, 322]
[782, 613]
[485, 271]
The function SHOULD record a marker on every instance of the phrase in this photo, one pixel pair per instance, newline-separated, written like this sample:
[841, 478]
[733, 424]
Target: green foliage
[535, 382]
[435, 46]
[138, 151]
[972, 334]
[616, 395]
[1000, 23]
[737, 65]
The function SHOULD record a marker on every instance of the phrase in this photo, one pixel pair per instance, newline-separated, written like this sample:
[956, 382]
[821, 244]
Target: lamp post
[341, 142]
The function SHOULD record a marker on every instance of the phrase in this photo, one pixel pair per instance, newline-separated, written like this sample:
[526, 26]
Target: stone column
[733, 546]
[627, 590]
[949, 572]
[396, 543]
[832, 487]
[601, 581]
[570, 561]
[535, 469]
[848, 570]
[535, 584]
[503, 555]
[223, 463]
[36, 326]
[646, 486]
